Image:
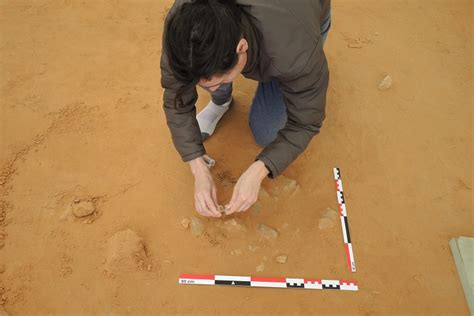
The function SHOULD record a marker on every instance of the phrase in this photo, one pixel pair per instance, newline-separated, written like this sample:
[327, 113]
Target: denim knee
[261, 138]
[268, 113]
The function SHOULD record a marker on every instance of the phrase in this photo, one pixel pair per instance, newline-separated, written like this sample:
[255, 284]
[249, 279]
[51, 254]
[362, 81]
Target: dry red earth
[81, 121]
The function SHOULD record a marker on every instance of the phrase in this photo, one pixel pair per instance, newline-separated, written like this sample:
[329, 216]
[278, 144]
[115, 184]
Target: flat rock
[197, 227]
[328, 219]
[325, 223]
[284, 186]
[281, 259]
[125, 252]
[386, 83]
[82, 208]
[267, 232]
[331, 214]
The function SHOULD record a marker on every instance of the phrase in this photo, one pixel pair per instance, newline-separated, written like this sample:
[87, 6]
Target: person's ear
[242, 46]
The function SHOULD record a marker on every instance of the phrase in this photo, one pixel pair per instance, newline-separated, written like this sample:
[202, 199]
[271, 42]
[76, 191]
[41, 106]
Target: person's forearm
[198, 165]
[260, 170]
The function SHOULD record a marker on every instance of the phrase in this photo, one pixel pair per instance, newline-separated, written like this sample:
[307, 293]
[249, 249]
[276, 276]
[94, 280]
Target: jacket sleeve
[181, 119]
[305, 98]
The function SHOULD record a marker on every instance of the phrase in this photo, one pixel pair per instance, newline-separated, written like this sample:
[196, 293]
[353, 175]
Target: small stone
[82, 208]
[221, 209]
[385, 84]
[365, 39]
[354, 45]
[149, 267]
[3, 268]
[253, 248]
[233, 225]
[267, 232]
[236, 252]
[185, 222]
[260, 267]
[281, 259]
[88, 221]
[197, 227]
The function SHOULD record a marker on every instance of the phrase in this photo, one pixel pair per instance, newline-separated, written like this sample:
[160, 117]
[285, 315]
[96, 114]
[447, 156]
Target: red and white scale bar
[344, 222]
[284, 283]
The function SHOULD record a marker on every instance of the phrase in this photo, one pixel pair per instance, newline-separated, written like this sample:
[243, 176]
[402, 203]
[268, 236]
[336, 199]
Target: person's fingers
[243, 207]
[238, 205]
[230, 206]
[211, 201]
[203, 206]
[212, 207]
[198, 207]
[214, 194]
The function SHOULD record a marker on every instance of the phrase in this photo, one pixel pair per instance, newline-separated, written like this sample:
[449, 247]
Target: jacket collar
[253, 53]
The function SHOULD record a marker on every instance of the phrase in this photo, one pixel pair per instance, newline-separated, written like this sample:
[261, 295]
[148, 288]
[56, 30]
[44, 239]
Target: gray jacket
[291, 51]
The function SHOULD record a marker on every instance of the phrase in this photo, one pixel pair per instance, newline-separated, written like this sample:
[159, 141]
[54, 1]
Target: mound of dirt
[126, 252]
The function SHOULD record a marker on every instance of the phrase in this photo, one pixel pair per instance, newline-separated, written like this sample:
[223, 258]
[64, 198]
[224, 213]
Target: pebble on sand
[260, 267]
[267, 232]
[236, 252]
[232, 225]
[281, 259]
[82, 208]
[252, 248]
[197, 227]
[185, 222]
[386, 83]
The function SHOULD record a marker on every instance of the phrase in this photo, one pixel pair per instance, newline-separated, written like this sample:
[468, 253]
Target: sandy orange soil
[82, 128]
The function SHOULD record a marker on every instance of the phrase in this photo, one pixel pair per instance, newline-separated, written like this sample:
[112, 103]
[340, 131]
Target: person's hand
[247, 187]
[205, 193]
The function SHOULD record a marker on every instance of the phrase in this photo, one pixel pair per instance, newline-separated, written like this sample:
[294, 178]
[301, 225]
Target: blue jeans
[268, 110]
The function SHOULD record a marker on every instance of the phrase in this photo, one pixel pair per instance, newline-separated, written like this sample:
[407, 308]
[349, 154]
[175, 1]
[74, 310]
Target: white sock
[210, 116]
